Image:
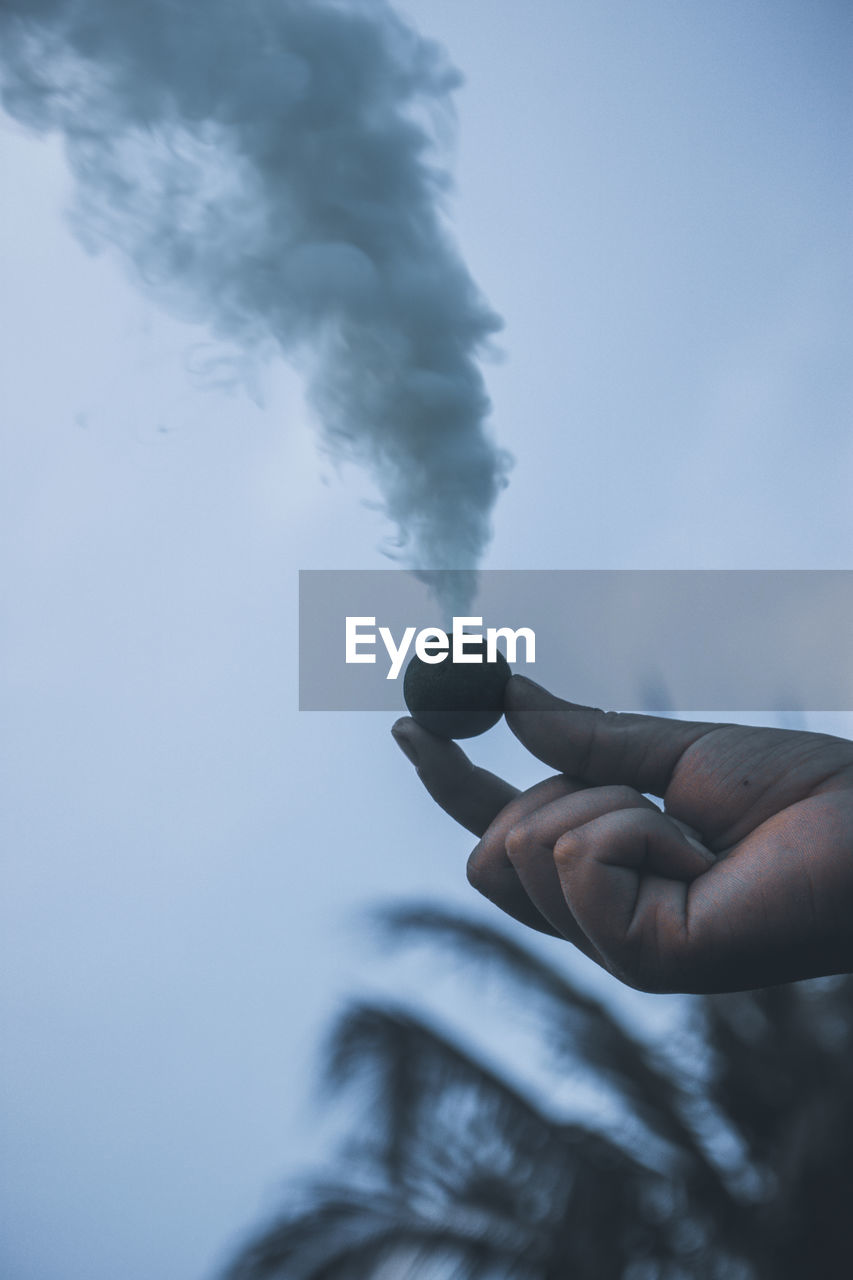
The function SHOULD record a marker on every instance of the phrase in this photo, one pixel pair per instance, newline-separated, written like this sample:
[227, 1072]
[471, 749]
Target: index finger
[482, 802]
[472, 796]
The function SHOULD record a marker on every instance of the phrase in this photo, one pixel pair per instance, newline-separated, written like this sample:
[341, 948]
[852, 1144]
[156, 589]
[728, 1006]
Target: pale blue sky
[656, 196]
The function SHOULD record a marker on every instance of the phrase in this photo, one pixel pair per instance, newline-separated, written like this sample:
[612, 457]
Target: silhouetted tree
[735, 1159]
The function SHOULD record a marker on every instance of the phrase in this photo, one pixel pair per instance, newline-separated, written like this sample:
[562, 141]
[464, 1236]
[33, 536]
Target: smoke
[272, 168]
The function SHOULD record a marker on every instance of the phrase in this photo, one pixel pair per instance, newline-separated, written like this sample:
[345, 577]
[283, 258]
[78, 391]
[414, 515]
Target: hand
[743, 879]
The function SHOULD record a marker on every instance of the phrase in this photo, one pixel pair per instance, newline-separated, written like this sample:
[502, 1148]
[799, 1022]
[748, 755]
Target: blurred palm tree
[733, 1159]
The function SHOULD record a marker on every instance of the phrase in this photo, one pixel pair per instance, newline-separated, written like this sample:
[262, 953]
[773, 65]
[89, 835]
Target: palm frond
[455, 1172]
[464, 1139]
[344, 1235]
[580, 1029]
[774, 1048]
[783, 1074]
[437, 1113]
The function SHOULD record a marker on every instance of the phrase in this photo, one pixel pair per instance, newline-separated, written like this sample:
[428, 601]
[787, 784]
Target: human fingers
[490, 870]
[626, 876]
[476, 798]
[597, 747]
[471, 795]
[529, 844]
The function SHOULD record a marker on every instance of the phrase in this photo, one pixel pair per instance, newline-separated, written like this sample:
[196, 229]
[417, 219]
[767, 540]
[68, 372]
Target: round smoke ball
[456, 699]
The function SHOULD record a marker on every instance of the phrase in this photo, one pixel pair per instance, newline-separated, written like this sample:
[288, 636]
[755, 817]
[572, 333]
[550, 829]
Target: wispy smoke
[270, 168]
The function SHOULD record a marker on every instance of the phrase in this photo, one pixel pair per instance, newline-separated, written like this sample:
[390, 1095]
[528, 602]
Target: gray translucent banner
[648, 640]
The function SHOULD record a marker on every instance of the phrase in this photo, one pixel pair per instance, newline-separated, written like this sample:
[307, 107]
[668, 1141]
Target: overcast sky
[656, 197]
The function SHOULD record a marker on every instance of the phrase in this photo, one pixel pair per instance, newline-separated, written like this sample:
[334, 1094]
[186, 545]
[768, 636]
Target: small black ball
[455, 699]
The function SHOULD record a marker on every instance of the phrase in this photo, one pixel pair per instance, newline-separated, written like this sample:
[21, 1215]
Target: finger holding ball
[457, 699]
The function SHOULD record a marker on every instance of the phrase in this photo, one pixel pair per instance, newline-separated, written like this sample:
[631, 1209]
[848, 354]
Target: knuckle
[567, 847]
[625, 797]
[474, 869]
[518, 840]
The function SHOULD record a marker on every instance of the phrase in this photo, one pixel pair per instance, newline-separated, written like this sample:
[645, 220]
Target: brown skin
[744, 878]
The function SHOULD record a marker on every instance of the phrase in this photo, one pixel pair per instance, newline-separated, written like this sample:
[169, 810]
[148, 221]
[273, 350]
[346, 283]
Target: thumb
[599, 747]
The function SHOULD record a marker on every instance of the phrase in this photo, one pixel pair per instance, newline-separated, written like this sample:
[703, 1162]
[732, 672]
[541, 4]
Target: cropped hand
[744, 878]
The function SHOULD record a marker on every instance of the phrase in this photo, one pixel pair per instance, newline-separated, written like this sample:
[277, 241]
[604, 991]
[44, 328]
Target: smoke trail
[270, 169]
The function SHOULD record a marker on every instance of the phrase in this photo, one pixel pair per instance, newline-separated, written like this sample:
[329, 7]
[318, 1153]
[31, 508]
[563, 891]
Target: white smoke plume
[271, 169]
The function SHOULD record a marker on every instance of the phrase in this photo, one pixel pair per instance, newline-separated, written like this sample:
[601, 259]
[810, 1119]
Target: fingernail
[405, 744]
